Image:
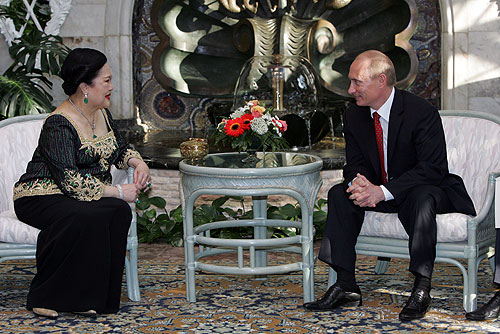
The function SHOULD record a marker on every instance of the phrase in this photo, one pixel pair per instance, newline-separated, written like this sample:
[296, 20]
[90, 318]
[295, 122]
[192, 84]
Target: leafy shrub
[154, 223]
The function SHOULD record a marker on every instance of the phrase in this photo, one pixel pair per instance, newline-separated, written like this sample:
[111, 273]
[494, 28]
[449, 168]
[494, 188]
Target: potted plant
[25, 85]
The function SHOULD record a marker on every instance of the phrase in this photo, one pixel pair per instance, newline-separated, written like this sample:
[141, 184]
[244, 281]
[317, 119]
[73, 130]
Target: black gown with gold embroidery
[82, 243]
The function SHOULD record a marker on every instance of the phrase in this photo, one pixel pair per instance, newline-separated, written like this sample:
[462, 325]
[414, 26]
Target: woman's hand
[130, 192]
[141, 173]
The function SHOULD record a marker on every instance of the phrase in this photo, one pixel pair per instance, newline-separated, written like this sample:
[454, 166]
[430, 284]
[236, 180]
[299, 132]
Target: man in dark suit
[396, 163]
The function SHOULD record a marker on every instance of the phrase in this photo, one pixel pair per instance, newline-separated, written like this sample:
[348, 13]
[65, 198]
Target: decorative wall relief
[199, 38]
[59, 10]
[195, 49]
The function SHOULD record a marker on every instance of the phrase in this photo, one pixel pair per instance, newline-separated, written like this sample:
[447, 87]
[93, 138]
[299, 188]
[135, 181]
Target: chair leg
[133, 291]
[470, 285]
[382, 265]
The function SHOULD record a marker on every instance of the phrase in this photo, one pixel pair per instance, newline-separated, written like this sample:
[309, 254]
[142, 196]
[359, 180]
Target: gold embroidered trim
[36, 187]
[103, 147]
[83, 188]
[43, 187]
[129, 153]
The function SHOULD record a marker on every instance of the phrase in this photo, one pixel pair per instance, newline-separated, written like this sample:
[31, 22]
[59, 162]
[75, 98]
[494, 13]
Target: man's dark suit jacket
[416, 150]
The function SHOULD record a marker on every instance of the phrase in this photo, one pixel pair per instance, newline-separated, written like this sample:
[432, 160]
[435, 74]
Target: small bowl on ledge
[194, 148]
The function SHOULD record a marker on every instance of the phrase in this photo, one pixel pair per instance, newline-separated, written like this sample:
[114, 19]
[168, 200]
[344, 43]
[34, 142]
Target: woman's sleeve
[59, 144]
[125, 151]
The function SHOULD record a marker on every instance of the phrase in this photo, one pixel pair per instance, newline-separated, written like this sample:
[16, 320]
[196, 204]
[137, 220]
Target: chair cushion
[13, 230]
[451, 227]
[473, 149]
[19, 141]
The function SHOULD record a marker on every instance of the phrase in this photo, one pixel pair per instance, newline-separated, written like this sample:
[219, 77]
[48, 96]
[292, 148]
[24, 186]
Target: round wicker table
[293, 174]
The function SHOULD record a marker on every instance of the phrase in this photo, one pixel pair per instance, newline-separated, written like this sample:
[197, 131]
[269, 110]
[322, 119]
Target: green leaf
[142, 221]
[177, 240]
[162, 218]
[37, 43]
[166, 227]
[176, 214]
[289, 211]
[220, 201]
[230, 212]
[150, 213]
[319, 216]
[22, 93]
[320, 203]
[142, 205]
[158, 202]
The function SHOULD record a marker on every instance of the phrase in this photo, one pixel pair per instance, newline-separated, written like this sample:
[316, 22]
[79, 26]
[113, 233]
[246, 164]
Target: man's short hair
[380, 64]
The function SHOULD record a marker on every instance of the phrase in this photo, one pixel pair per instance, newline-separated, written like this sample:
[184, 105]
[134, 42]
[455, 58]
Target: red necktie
[380, 144]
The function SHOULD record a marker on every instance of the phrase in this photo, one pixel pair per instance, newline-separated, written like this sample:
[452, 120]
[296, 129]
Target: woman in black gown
[66, 192]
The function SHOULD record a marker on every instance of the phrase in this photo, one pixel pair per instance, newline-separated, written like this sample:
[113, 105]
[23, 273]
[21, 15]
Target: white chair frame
[19, 251]
[480, 232]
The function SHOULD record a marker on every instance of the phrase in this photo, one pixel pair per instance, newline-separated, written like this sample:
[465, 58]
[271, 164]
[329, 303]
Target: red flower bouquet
[249, 124]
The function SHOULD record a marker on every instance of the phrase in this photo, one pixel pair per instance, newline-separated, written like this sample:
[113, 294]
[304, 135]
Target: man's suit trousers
[417, 213]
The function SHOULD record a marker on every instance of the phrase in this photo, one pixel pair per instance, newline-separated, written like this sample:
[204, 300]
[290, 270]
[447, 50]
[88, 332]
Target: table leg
[260, 232]
[307, 255]
[189, 241]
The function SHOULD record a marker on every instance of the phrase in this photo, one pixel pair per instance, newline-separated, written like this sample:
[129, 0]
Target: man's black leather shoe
[490, 310]
[335, 297]
[417, 305]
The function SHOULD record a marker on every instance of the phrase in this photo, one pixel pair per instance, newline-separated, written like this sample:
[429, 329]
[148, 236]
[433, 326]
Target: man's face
[366, 90]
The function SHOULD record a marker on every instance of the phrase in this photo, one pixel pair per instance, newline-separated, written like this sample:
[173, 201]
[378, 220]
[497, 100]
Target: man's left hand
[364, 193]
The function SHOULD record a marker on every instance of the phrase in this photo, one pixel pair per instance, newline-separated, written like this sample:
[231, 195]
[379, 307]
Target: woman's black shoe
[490, 310]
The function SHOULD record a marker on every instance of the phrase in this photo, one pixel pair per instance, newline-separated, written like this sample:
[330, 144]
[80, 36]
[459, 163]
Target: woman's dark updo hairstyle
[81, 65]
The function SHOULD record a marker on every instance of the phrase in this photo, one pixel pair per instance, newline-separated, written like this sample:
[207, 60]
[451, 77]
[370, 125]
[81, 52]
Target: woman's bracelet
[120, 191]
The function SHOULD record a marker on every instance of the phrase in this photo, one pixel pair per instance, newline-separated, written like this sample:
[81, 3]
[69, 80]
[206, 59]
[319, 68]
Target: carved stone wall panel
[198, 61]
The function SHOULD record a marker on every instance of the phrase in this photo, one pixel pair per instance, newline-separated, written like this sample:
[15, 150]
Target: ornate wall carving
[329, 35]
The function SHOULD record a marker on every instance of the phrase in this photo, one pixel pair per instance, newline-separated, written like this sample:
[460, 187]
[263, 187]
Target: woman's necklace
[92, 125]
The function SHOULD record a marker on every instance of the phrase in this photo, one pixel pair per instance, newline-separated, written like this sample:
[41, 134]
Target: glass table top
[257, 160]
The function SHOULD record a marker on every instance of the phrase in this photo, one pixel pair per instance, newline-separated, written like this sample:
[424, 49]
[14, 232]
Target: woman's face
[99, 93]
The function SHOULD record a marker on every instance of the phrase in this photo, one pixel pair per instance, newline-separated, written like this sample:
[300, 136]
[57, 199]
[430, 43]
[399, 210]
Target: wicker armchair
[473, 147]
[19, 138]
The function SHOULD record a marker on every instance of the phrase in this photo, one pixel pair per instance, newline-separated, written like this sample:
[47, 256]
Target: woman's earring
[86, 100]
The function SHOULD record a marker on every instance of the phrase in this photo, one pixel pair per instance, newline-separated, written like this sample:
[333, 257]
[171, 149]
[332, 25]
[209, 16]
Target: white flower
[259, 125]
[267, 117]
[239, 112]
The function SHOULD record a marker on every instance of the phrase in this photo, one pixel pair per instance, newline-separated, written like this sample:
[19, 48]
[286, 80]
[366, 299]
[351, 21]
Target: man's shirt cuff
[387, 194]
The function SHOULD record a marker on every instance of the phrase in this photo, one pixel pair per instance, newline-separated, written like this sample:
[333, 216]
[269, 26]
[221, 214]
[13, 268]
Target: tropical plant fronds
[49, 49]
[23, 93]
[25, 86]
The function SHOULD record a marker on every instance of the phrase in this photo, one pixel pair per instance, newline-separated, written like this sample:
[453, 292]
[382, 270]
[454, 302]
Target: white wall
[105, 25]
[470, 55]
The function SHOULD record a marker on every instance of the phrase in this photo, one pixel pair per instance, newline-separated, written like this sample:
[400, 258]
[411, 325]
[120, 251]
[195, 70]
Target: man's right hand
[364, 193]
